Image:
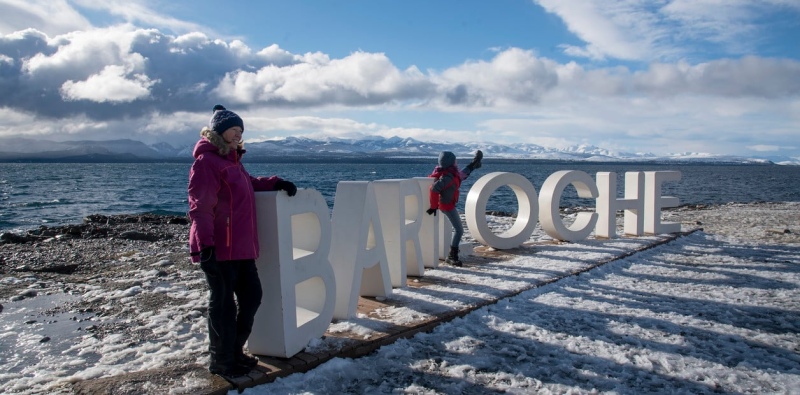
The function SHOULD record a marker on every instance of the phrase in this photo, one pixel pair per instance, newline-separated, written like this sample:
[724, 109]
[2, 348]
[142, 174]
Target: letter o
[527, 215]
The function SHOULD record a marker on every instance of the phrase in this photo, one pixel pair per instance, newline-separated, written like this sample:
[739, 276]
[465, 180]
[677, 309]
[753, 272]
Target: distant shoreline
[91, 159]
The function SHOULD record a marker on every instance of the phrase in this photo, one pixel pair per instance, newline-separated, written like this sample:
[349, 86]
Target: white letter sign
[608, 204]
[550, 200]
[400, 212]
[428, 233]
[313, 267]
[296, 277]
[476, 210]
[357, 250]
[654, 202]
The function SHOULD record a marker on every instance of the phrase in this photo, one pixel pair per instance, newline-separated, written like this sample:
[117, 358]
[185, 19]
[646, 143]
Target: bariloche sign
[314, 265]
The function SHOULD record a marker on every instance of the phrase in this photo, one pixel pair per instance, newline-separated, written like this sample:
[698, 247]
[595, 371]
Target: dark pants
[230, 321]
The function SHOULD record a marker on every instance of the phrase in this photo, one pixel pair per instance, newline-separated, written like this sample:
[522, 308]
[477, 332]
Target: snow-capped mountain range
[330, 148]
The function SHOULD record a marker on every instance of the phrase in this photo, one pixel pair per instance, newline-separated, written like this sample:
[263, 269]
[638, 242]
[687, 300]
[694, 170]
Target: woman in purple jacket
[223, 238]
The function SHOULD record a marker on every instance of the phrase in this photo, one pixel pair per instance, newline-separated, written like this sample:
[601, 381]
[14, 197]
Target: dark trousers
[230, 321]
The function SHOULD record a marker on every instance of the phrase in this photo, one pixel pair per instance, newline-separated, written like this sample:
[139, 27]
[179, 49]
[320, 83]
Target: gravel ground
[101, 248]
[769, 223]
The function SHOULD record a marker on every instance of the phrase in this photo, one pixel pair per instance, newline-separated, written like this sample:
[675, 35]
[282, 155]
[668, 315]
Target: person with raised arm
[444, 195]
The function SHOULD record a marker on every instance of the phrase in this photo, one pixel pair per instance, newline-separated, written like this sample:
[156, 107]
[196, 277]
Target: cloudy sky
[660, 76]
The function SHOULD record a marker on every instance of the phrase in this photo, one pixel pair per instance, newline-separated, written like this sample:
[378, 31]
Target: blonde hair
[216, 139]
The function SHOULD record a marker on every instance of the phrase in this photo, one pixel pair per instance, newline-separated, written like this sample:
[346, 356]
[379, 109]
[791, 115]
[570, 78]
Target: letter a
[357, 252]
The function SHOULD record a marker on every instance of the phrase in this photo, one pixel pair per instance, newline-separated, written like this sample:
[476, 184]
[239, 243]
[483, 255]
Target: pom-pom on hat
[223, 120]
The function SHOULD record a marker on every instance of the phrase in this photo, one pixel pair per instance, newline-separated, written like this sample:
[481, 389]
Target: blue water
[62, 193]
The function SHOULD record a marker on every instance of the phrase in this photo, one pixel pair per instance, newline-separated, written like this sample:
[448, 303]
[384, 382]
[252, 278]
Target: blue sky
[660, 76]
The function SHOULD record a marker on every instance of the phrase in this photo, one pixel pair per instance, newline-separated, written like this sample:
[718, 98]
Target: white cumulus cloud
[112, 84]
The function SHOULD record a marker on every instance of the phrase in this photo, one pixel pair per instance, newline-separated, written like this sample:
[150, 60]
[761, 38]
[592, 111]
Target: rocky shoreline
[98, 248]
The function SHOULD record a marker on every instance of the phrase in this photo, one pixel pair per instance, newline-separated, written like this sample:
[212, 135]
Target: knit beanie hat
[223, 120]
[446, 159]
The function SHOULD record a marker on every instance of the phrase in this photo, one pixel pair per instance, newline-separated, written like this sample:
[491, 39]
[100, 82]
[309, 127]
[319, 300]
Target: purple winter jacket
[222, 204]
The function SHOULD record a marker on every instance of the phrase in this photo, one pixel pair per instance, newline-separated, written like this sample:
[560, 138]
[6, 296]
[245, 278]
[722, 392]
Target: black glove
[431, 211]
[287, 186]
[476, 161]
[207, 254]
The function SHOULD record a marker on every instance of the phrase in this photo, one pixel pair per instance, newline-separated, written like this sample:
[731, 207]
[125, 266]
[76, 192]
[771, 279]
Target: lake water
[33, 194]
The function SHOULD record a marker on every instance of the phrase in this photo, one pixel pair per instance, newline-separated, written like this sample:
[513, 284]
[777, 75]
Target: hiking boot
[453, 261]
[229, 371]
[452, 258]
[246, 360]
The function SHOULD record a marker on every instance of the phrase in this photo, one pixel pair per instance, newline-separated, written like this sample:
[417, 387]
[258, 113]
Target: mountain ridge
[371, 147]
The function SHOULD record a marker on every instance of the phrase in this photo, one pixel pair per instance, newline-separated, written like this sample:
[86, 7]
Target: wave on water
[54, 202]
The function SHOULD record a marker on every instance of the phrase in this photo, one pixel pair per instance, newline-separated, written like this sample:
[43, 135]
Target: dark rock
[98, 232]
[178, 221]
[60, 269]
[73, 230]
[8, 237]
[135, 235]
[43, 231]
[45, 339]
[99, 219]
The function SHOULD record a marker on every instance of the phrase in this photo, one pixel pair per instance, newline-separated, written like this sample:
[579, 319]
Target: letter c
[550, 201]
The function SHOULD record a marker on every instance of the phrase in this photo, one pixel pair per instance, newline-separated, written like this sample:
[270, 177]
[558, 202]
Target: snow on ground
[697, 315]
[701, 314]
